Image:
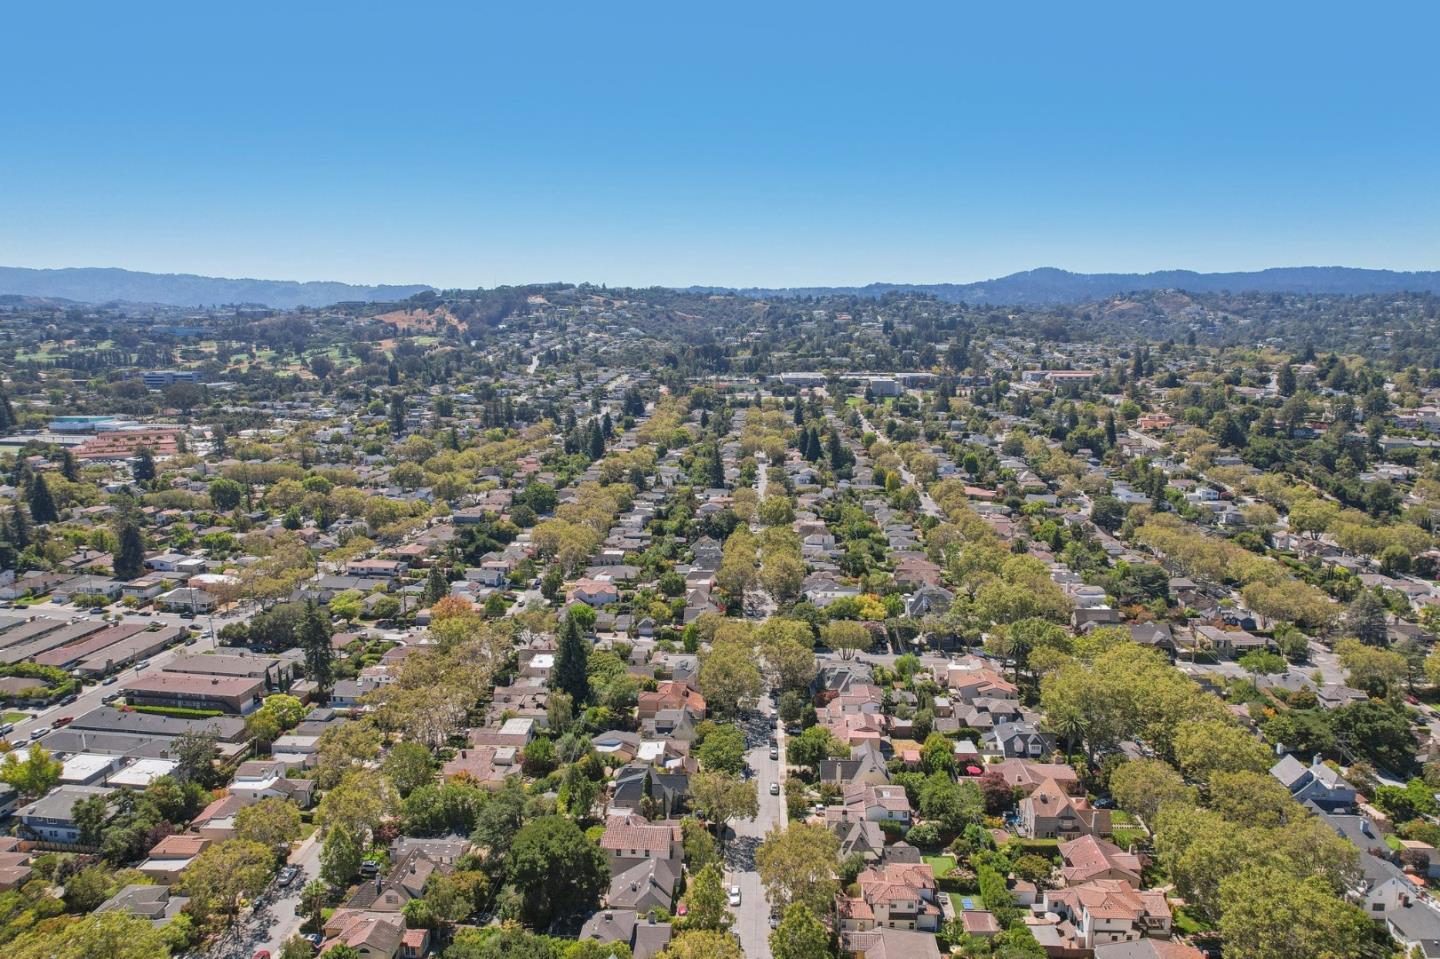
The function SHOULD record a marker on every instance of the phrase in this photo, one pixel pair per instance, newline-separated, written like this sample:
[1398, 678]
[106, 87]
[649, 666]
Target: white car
[734, 895]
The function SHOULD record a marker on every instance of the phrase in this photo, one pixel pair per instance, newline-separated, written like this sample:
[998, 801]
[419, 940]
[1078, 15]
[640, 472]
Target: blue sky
[735, 143]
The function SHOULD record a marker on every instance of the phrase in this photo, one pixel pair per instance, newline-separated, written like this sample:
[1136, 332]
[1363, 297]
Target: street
[273, 919]
[752, 916]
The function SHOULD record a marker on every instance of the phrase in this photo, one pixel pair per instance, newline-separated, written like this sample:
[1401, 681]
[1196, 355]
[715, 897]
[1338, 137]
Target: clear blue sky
[727, 143]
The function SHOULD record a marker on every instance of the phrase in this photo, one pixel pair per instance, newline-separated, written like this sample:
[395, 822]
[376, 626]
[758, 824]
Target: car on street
[734, 895]
[287, 875]
[774, 921]
[38, 733]
[108, 681]
[262, 954]
[64, 721]
[775, 789]
[774, 752]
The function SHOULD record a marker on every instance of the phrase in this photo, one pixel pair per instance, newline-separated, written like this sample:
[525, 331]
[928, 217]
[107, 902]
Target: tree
[1377, 671]
[847, 636]
[570, 674]
[729, 677]
[41, 503]
[129, 557]
[313, 636]
[1267, 914]
[408, 766]
[222, 876]
[1262, 662]
[226, 494]
[723, 749]
[800, 935]
[105, 935]
[34, 775]
[272, 822]
[556, 869]
[1208, 746]
[797, 865]
[703, 944]
[340, 857]
[143, 469]
[313, 898]
[812, 747]
[87, 889]
[721, 797]
[789, 658]
[1143, 786]
[437, 587]
[706, 902]
[1378, 732]
[347, 605]
[1365, 619]
[359, 802]
[195, 758]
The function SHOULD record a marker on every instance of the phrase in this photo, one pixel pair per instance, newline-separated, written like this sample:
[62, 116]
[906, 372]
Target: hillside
[1048, 286]
[97, 285]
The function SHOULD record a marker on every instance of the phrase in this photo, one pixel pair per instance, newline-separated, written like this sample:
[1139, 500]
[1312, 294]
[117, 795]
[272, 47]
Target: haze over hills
[1050, 286]
[104, 285]
[1046, 286]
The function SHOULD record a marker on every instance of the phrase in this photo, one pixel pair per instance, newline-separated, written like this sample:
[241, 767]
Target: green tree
[408, 765]
[723, 749]
[797, 865]
[572, 656]
[800, 935]
[706, 902]
[41, 503]
[556, 869]
[1267, 914]
[223, 876]
[272, 822]
[348, 605]
[226, 494]
[143, 469]
[721, 797]
[1364, 619]
[812, 747]
[34, 775]
[1143, 786]
[129, 558]
[313, 636]
[340, 857]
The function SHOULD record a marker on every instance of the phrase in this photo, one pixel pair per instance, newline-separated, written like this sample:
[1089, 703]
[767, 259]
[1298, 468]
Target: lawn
[11, 716]
[941, 864]
[1125, 835]
[1188, 924]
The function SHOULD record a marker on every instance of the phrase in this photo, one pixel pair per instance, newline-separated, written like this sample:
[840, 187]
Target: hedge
[179, 712]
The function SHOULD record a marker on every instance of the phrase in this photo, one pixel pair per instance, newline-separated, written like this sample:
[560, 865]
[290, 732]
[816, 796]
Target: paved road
[928, 506]
[273, 920]
[752, 916]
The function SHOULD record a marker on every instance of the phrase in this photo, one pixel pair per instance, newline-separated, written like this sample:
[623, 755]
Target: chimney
[609, 916]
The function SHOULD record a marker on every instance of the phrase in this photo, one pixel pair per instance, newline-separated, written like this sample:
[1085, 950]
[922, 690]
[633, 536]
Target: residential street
[752, 916]
[273, 920]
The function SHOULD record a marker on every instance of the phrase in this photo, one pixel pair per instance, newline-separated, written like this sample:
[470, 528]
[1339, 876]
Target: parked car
[64, 721]
[774, 752]
[734, 895]
[287, 875]
[108, 681]
[38, 733]
[775, 789]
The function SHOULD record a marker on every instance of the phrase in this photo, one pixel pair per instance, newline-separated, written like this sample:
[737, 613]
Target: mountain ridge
[1051, 286]
[1043, 286]
[109, 284]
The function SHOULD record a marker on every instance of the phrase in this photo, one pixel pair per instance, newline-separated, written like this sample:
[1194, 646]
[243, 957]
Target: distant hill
[1048, 286]
[97, 285]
